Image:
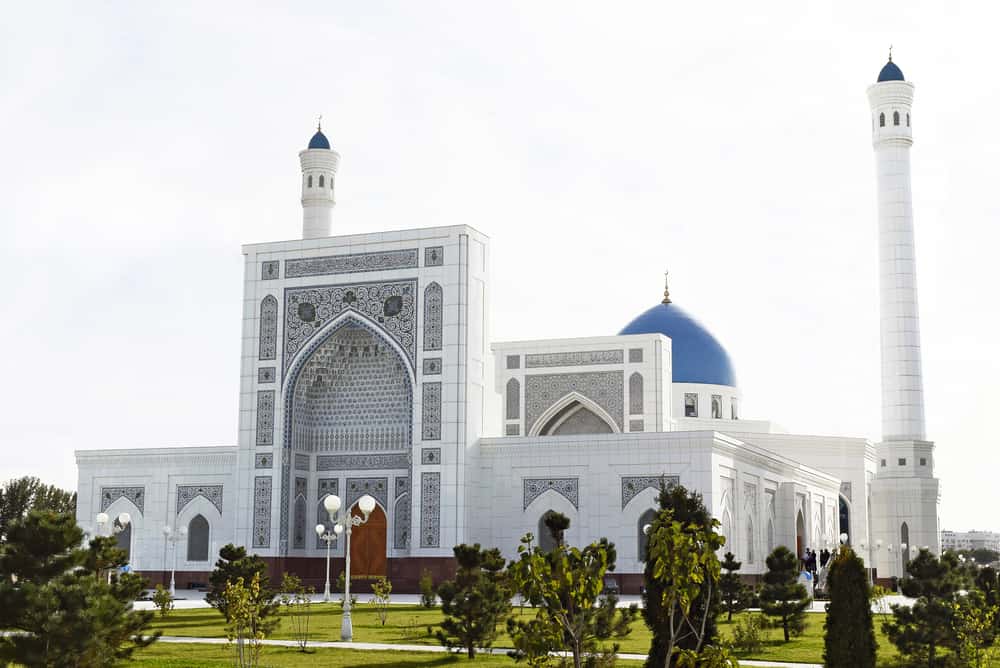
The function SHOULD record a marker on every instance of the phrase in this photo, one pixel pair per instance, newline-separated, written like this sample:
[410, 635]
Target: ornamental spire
[666, 287]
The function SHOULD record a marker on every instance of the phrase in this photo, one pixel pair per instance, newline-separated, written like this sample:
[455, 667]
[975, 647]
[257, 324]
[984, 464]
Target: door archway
[368, 545]
[800, 534]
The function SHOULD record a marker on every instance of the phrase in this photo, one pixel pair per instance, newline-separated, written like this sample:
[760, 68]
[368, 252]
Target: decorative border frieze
[434, 256]
[377, 487]
[265, 374]
[265, 417]
[187, 493]
[351, 264]
[430, 456]
[137, 495]
[365, 462]
[574, 358]
[432, 366]
[430, 509]
[262, 511]
[567, 487]
[430, 415]
[633, 484]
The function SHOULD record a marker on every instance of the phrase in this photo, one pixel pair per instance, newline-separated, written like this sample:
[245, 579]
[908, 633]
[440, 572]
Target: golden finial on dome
[319, 120]
[666, 287]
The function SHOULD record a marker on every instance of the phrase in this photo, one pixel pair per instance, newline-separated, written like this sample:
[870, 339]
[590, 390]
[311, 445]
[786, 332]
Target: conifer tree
[850, 631]
[782, 596]
[734, 592]
[234, 563]
[476, 601]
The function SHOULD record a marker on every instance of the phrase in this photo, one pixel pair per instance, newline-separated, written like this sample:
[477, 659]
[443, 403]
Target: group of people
[808, 560]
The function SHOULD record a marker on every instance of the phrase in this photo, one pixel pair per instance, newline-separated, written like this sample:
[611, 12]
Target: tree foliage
[20, 496]
[973, 621]
[250, 620]
[297, 599]
[234, 563]
[476, 601]
[734, 593]
[850, 630]
[566, 586]
[923, 631]
[57, 597]
[782, 596]
[677, 504]
[381, 590]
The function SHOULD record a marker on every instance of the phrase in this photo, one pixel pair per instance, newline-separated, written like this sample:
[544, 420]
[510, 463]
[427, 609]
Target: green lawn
[408, 624]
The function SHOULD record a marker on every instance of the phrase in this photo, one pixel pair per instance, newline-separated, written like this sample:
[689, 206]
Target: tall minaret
[905, 492]
[319, 167]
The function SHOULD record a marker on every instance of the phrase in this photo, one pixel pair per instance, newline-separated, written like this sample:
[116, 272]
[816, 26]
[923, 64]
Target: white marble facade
[366, 368]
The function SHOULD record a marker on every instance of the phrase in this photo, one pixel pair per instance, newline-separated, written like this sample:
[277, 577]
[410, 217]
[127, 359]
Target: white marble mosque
[366, 368]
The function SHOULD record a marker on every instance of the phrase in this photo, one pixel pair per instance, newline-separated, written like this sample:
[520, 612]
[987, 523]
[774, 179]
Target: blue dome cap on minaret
[319, 140]
[890, 72]
[697, 356]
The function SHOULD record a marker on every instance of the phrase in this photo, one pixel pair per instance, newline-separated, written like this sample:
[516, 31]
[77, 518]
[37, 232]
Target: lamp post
[345, 524]
[871, 549]
[173, 536]
[332, 504]
[102, 522]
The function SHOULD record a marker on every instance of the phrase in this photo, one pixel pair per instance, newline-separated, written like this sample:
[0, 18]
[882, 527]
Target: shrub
[163, 601]
[340, 587]
[381, 587]
[427, 596]
[749, 632]
[297, 598]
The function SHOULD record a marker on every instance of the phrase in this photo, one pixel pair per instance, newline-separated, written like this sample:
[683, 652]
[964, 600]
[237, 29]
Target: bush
[163, 601]
[381, 587]
[428, 598]
[749, 632]
[297, 598]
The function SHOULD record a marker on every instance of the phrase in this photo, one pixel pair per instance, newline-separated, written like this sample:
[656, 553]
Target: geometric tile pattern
[137, 495]
[633, 484]
[401, 522]
[635, 394]
[269, 270]
[262, 511]
[604, 388]
[431, 412]
[635, 354]
[362, 462]
[265, 374]
[430, 456]
[433, 316]
[390, 306]
[579, 358]
[434, 256]
[349, 264]
[376, 487]
[432, 366]
[430, 509]
[402, 485]
[535, 487]
[265, 417]
[513, 399]
[268, 328]
[262, 460]
[187, 493]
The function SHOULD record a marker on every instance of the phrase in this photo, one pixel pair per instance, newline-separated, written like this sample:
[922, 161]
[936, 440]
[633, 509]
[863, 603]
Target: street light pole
[332, 503]
[172, 536]
[103, 520]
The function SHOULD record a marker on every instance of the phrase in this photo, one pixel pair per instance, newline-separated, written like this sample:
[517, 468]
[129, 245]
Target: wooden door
[368, 545]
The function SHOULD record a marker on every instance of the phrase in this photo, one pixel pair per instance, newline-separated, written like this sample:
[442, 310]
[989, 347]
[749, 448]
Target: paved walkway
[365, 646]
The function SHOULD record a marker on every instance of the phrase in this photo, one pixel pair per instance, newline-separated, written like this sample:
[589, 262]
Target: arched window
[904, 538]
[907, 119]
[717, 406]
[299, 525]
[197, 540]
[124, 538]
[320, 180]
[635, 394]
[770, 536]
[845, 518]
[513, 399]
[645, 519]
[881, 120]
[750, 541]
[895, 118]
[545, 539]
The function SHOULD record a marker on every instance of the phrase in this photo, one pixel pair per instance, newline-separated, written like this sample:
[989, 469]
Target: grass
[408, 624]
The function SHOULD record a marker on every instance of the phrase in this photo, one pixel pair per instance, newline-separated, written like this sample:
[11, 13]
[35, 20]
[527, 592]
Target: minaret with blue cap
[319, 169]
[904, 494]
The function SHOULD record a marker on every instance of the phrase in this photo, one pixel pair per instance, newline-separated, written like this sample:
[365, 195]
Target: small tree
[782, 596]
[297, 599]
[427, 596]
[734, 592]
[20, 496]
[973, 625]
[475, 601]
[248, 619]
[850, 631]
[566, 586]
[163, 601]
[381, 588]
[234, 563]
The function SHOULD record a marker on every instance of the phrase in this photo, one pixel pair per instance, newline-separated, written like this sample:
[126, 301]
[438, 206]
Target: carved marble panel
[265, 374]
[604, 388]
[363, 462]
[535, 487]
[401, 522]
[430, 509]
[433, 317]
[299, 520]
[635, 394]
[633, 484]
[513, 361]
[351, 264]
[574, 358]
[513, 399]
[402, 485]
[431, 412]
[268, 328]
[434, 256]
[430, 456]
[135, 494]
[263, 460]
[262, 511]
[512, 430]
[636, 425]
[432, 366]
[376, 487]
[635, 355]
[301, 462]
[187, 493]
[265, 417]
[270, 270]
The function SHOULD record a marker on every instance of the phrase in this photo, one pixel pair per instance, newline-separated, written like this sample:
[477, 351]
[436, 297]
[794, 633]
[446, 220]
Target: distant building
[970, 540]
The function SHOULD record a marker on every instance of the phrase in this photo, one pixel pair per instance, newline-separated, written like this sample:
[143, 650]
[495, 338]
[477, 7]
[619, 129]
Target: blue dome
[891, 73]
[697, 356]
[319, 140]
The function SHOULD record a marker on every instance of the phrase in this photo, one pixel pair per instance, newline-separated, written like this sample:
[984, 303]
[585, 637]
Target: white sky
[595, 144]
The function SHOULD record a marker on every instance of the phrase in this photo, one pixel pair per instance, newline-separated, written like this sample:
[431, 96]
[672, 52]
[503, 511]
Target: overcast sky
[596, 144]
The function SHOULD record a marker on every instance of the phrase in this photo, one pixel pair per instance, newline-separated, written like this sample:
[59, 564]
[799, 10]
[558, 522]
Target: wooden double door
[368, 545]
